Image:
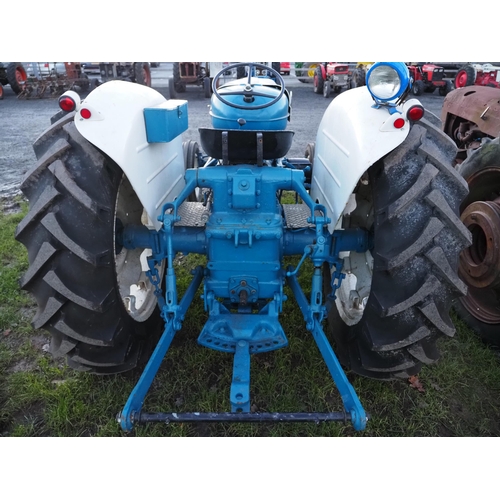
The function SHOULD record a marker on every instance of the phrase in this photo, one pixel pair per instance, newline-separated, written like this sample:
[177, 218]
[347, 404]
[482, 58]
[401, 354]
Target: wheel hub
[461, 78]
[136, 290]
[479, 265]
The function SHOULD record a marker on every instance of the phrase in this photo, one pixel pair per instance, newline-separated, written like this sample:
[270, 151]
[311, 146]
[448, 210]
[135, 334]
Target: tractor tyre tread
[470, 75]
[11, 76]
[179, 86]
[142, 73]
[69, 235]
[417, 240]
[318, 81]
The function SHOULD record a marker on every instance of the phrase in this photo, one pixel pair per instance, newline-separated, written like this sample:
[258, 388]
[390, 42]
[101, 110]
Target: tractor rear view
[471, 117]
[116, 194]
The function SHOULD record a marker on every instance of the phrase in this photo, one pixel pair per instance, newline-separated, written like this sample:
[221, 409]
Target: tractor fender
[117, 127]
[353, 134]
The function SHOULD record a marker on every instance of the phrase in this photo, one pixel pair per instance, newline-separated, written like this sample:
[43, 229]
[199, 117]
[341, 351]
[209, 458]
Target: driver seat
[245, 146]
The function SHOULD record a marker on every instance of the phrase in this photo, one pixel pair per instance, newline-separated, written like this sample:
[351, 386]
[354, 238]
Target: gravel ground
[22, 121]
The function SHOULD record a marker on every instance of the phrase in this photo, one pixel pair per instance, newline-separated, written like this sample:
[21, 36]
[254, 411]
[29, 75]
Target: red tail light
[415, 113]
[85, 113]
[66, 103]
[399, 122]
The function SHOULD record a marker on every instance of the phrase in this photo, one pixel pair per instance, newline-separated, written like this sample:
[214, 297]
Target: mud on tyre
[387, 322]
[82, 281]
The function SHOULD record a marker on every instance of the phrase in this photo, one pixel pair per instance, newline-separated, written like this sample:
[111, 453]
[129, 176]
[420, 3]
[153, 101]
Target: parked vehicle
[190, 73]
[428, 77]
[285, 68]
[13, 74]
[375, 215]
[486, 75]
[331, 77]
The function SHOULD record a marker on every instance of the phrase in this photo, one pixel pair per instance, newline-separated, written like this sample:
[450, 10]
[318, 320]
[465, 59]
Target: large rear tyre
[179, 85]
[207, 87]
[16, 75]
[171, 89]
[358, 78]
[446, 88]
[480, 263]
[142, 73]
[93, 296]
[418, 87]
[466, 76]
[306, 72]
[394, 302]
[318, 81]
[191, 151]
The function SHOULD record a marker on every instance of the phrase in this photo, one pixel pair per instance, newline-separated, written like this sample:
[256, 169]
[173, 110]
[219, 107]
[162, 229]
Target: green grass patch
[40, 396]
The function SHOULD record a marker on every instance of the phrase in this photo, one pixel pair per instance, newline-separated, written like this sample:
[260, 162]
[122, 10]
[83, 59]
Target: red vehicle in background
[331, 76]
[428, 77]
[285, 68]
[484, 75]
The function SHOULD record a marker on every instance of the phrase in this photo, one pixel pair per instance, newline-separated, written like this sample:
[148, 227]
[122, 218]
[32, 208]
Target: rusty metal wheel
[480, 263]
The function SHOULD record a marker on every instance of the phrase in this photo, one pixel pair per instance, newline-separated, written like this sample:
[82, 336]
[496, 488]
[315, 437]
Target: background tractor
[428, 77]
[331, 77]
[486, 75]
[471, 117]
[117, 194]
[13, 74]
[191, 73]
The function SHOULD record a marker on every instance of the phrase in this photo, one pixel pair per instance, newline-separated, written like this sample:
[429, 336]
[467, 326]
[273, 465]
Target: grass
[40, 396]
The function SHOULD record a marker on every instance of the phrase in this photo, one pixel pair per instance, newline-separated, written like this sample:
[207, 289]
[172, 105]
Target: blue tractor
[117, 194]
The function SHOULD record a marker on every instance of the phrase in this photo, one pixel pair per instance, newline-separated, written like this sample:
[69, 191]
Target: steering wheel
[248, 91]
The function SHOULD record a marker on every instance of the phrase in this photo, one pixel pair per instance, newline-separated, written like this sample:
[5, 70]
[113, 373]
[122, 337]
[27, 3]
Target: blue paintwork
[404, 76]
[274, 117]
[136, 399]
[245, 240]
[165, 122]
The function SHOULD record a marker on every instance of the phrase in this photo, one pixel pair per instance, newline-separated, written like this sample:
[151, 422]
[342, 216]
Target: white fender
[117, 127]
[351, 137]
